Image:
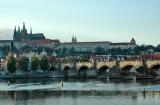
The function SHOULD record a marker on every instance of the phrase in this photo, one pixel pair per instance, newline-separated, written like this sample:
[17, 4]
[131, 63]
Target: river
[79, 92]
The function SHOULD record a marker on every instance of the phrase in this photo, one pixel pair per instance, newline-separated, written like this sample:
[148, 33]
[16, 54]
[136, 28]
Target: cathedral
[32, 39]
[21, 35]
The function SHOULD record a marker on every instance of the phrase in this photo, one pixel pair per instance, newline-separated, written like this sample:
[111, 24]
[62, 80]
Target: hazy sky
[89, 20]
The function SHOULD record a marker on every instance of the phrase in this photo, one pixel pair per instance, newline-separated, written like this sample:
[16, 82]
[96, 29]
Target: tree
[11, 64]
[158, 48]
[34, 63]
[44, 63]
[64, 51]
[99, 50]
[72, 51]
[24, 62]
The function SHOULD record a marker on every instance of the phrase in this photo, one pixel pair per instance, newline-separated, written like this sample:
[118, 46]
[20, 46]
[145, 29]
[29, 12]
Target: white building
[16, 44]
[85, 46]
[91, 46]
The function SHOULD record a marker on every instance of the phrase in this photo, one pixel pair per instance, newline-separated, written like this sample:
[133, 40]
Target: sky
[88, 20]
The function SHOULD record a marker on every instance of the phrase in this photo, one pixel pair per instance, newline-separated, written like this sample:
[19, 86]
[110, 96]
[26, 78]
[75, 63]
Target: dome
[133, 41]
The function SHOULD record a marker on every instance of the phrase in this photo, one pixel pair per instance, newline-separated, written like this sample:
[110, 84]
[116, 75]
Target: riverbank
[34, 76]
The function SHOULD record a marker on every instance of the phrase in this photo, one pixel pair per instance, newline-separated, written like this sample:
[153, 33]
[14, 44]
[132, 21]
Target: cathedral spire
[15, 28]
[19, 30]
[72, 39]
[31, 30]
[15, 34]
[15, 31]
[75, 39]
[24, 26]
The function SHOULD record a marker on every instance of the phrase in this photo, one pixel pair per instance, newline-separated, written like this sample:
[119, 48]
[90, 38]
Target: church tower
[74, 39]
[133, 41]
[24, 33]
[30, 30]
[15, 34]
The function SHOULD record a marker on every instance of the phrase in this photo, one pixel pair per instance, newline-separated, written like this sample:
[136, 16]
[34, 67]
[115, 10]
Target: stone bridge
[151, 64]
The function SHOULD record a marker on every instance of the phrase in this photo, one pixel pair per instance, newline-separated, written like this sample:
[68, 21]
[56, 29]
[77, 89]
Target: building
[43, 43]
[91, 46]
[23, 35]
[21, 38]
[33, 39]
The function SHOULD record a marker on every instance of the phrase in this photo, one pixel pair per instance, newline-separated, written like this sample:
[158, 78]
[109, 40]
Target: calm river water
[79, 92]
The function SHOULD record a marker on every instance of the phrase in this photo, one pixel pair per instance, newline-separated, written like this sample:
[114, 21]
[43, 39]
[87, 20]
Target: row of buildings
[91, 46]
[21, 38]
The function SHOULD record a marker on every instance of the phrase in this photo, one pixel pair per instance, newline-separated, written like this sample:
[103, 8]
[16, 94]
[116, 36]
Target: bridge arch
[127, 67]
[83, 67]
[109, 64]
[52, 68]
[155, 67]
[151, 63]
[141, 70]
[83, 71]
[154, 70]
[102, 70]
[128, 64]
[66, 68]
[126, 70]
[65, 71]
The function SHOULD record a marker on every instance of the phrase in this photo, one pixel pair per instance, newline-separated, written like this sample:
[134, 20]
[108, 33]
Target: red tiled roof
[42, 41]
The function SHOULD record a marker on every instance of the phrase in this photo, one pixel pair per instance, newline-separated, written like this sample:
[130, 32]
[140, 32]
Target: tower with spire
[30, 30]
[133, 41]
[15, 34]
[74, 39]
[22, 34]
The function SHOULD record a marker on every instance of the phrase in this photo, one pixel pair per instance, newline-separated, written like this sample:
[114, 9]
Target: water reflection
[79, 98]
[115, 96]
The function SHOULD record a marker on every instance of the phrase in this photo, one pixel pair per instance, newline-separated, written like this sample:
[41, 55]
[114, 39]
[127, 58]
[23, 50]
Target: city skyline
[92, 20]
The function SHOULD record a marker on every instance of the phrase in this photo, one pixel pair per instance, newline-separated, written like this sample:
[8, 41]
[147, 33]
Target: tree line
[24, 62]
[114, 51]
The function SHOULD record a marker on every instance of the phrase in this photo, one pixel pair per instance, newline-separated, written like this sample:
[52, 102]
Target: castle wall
[91, 46]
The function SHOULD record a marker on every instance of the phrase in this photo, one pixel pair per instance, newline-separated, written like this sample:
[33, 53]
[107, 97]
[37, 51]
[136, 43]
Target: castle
[22, 35]
[21, 38]
[32, 39]
[91, 46]
[38, 39]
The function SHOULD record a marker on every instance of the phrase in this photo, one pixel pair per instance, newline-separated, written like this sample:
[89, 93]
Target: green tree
[72, 51]
[158, 48]
[34, 63]
[44, 63]
[64, 52]
[11, 65]
[99, 50]
[24, 62]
